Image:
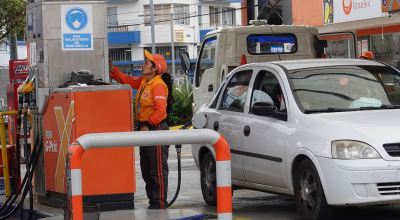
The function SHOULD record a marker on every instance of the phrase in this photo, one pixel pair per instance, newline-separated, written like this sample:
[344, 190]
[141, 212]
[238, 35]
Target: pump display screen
[270, 44]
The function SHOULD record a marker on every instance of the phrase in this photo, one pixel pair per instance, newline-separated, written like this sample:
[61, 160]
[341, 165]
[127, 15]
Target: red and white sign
[364, 46]
[353, 10]
[359, 47]
[347, 6]
[28, 50]
[18, 69]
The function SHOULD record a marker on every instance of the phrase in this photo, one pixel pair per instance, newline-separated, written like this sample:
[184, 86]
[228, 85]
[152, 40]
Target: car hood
[379, 126]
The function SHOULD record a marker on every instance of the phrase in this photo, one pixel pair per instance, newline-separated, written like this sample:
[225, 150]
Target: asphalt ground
[247, 204]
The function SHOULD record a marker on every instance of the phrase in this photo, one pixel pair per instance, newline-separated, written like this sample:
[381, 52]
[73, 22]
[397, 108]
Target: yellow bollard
[4, 154]
[4, 148]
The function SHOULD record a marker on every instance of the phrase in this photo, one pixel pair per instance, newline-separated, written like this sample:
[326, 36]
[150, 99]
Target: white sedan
[324, 131]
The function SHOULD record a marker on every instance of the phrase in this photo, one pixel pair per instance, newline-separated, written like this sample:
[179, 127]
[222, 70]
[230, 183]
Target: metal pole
[153, 37]
[287, 12]
[220, 148]
[256, 9]
[172, 39]
[13, 46]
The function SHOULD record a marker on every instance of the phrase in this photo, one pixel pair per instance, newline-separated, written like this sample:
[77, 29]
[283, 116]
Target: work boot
[154, 206]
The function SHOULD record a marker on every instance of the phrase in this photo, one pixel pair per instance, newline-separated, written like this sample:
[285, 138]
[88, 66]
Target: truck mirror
[185, 61]
[320, 45]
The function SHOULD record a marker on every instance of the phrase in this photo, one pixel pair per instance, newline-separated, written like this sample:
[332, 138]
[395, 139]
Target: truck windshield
[345, 88]
[206, 58]
[269, 44]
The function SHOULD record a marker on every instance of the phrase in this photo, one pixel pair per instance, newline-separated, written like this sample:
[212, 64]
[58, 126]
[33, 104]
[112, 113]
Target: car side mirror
[280, 114]
[185, 61]
[263, 108]
[268, 109]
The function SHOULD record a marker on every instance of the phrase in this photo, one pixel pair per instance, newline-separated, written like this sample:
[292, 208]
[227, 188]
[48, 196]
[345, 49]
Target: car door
[205, 79]
[264, 137]
[227, 119]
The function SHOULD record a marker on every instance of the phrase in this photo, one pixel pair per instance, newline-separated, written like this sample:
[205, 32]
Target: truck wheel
[309, 195]
[208, 179]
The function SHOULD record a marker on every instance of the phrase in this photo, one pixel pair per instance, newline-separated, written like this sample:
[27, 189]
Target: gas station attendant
[153, 102]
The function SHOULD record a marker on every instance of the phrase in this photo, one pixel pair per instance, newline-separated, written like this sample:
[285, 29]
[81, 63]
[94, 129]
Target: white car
[332, 140]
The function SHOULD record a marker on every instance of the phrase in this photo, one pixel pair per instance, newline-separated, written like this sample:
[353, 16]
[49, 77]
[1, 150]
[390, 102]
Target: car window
[214, 99]
[345, 87]
[206, 58]
[271, 43]
[267, 89]
[234, 96]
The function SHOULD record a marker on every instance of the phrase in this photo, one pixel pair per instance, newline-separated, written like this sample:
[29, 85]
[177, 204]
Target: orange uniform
[151, 99]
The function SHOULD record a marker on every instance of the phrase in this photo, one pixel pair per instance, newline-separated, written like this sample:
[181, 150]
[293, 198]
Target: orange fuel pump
[108, 175]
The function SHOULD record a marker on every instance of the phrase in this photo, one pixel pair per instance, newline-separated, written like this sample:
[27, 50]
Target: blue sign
[76, 41]
[77, 27]
[384, 2]
[276, 49]
[271, 39]
[76, 19]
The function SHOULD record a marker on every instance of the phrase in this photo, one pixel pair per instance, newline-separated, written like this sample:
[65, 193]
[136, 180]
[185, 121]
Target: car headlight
[353, 150]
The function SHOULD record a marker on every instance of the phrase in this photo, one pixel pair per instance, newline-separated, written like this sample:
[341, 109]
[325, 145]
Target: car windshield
[345, 88]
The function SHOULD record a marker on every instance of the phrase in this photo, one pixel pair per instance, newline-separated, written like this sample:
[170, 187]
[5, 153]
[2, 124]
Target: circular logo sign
[384, 2]
[347, 5]
[76, 19]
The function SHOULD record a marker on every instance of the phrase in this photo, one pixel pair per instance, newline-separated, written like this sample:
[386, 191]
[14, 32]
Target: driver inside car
[277, 97]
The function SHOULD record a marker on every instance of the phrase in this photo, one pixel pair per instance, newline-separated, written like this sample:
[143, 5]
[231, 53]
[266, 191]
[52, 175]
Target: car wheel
[309, 195]
[208, 179]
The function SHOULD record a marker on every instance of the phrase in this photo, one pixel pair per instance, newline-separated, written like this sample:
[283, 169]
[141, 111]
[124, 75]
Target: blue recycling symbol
[76, 19]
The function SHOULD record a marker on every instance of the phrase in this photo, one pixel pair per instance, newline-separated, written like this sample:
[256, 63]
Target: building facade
[129, 29]
[375, 22]
[5, 52]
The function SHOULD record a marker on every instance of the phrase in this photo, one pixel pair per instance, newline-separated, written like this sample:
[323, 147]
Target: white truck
[222, 51]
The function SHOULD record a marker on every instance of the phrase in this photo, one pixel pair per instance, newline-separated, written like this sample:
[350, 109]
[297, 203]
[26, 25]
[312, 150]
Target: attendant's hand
[144, 128]
[110, 66]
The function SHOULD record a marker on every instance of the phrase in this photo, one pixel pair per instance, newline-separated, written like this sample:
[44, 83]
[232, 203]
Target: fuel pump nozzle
[178, 149]
[28, 87]
[20, 88]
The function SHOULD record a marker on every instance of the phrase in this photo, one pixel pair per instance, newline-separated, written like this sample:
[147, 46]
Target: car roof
[310, 63]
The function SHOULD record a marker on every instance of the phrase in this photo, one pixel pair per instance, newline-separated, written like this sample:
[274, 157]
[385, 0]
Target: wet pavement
[247, 204]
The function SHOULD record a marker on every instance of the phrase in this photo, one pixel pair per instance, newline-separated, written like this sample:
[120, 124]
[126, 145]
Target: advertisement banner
[364, 46]
[353, 10]
[390, 5]
[328, 11]
[76, 27]
[179, 36]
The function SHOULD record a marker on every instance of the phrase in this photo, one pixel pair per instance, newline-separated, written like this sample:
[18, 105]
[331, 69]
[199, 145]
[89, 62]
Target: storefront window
[384, 48]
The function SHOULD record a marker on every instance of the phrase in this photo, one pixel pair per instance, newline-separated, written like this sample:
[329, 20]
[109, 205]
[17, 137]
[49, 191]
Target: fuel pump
[60, 54]
[67, 97]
